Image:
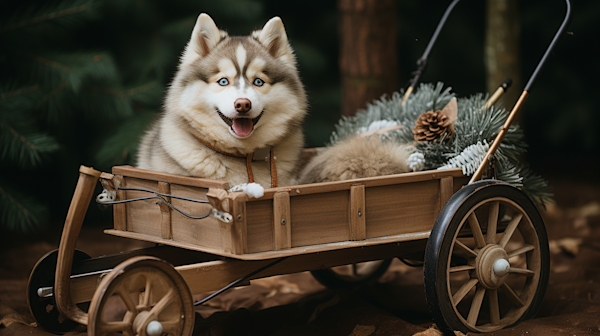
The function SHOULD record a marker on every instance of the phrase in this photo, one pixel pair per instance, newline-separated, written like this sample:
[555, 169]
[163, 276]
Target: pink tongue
[242, 126]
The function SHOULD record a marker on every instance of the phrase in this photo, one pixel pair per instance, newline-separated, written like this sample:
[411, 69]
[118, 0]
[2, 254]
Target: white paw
[253, 190]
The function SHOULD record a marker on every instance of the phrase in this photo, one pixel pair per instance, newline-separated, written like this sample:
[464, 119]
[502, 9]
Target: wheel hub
[153, 328]
[492, 266]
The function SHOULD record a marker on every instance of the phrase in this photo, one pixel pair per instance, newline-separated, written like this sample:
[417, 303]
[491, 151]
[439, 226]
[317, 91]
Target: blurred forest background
[80, 80]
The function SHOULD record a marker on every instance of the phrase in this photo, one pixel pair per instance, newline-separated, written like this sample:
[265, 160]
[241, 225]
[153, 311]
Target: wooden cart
[483, 243]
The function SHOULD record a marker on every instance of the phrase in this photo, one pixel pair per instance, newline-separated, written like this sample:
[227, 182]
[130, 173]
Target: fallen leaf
[569, 245]
[362, 330]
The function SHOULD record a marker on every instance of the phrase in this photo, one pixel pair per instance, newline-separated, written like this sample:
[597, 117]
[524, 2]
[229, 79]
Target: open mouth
[241, 126]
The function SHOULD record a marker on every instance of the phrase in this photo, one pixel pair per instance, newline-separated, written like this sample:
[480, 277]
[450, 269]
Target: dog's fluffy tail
[357, 157]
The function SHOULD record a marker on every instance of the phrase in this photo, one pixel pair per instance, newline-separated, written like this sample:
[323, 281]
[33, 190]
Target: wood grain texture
[259, 223]
[164, 177]
[358, 230]
[142, 216]
[120, 210]
[165, 224]
[397, 209]
[323, 187]
[320, 218]
[446, 191]
[240, 230]
[80, 202]
[282, 223]
[401, 238]
[202, 232]
[213, 275]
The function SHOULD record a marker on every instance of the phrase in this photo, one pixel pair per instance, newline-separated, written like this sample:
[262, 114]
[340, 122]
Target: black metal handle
[422, 62]
[559, 33]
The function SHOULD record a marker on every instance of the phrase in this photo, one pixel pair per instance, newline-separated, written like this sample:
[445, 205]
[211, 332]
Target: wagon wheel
[154, 296]
[40, 294]
[353, 275]
[487, 260]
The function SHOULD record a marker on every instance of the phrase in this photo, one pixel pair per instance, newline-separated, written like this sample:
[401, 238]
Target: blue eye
[258, 82]
[223, 81]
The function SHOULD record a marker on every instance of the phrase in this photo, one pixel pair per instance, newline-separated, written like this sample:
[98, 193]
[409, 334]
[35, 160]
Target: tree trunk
[502, 52]
[368, 61]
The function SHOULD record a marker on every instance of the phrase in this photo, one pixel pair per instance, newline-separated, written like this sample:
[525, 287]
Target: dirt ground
[297, 304]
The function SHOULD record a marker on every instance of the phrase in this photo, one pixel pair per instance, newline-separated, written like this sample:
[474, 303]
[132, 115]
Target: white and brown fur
[195, 100]
[357, 157]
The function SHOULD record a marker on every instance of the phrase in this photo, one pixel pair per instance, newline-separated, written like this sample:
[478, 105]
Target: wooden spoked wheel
[154, 296]
[353, 275]
[487, 260]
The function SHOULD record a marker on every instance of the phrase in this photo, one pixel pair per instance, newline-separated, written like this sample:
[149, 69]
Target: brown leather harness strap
[249, 157]
[249, 167]
[273, 169]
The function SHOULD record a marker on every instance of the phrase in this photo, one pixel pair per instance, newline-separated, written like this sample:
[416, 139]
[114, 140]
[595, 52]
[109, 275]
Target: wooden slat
[165, 224]
[401, 238]
[315, 188]
[358, 229]
[319, 218]
[282, 223]
[120, 210]
[240, 230]
[446, 190]
[142, 216]
[404, 208]
[203, 232]
[259, 224]
[213, 275]
[171, 178]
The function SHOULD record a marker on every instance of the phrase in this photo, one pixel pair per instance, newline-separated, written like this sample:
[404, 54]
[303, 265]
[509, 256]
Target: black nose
[242, 105]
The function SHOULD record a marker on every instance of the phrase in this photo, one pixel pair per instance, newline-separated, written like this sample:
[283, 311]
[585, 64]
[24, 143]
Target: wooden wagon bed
[286, 221]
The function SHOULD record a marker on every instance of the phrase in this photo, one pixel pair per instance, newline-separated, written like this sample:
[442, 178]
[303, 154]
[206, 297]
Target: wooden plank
[277, 254]
[358, 230]
[165, 225]
[202, 232]
[446, 190]
[259, 223]
[120, 210]
[282, 223]
[213, 275]
[404, 208]
[319, 218]
[142, 216]
[240, 231]
[316, 188]
[171, 178]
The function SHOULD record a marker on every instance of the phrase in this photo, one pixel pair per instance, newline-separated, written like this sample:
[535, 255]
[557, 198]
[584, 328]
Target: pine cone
[431, 126]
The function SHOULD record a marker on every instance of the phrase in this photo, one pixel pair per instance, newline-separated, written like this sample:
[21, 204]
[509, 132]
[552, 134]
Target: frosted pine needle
[469, 159]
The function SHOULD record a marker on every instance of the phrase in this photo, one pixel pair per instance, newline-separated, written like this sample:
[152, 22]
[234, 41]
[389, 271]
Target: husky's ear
[274, 39]
[205, 37]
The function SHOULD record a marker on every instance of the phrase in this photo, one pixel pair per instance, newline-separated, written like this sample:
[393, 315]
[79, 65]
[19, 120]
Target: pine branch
[19, 212]
[474, 126]
[28, 17]
[121, 146]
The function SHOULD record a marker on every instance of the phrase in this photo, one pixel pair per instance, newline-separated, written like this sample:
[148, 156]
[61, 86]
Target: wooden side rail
[88, 177]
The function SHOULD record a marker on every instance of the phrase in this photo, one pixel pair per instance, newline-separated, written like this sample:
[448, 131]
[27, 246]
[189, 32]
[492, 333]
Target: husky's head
[238, 92]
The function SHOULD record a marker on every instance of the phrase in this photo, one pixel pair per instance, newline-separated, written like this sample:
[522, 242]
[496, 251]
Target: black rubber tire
[332, 280]
[441, 238]
[44, 309]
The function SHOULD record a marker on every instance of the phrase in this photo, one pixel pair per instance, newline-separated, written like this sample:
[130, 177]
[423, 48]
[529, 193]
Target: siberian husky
[232, 97]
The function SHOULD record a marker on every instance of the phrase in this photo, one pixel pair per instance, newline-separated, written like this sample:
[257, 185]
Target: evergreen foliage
[475, 128]
[83, 79]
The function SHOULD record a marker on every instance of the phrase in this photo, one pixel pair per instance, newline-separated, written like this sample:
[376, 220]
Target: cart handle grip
[88, 177]
[522, 98]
